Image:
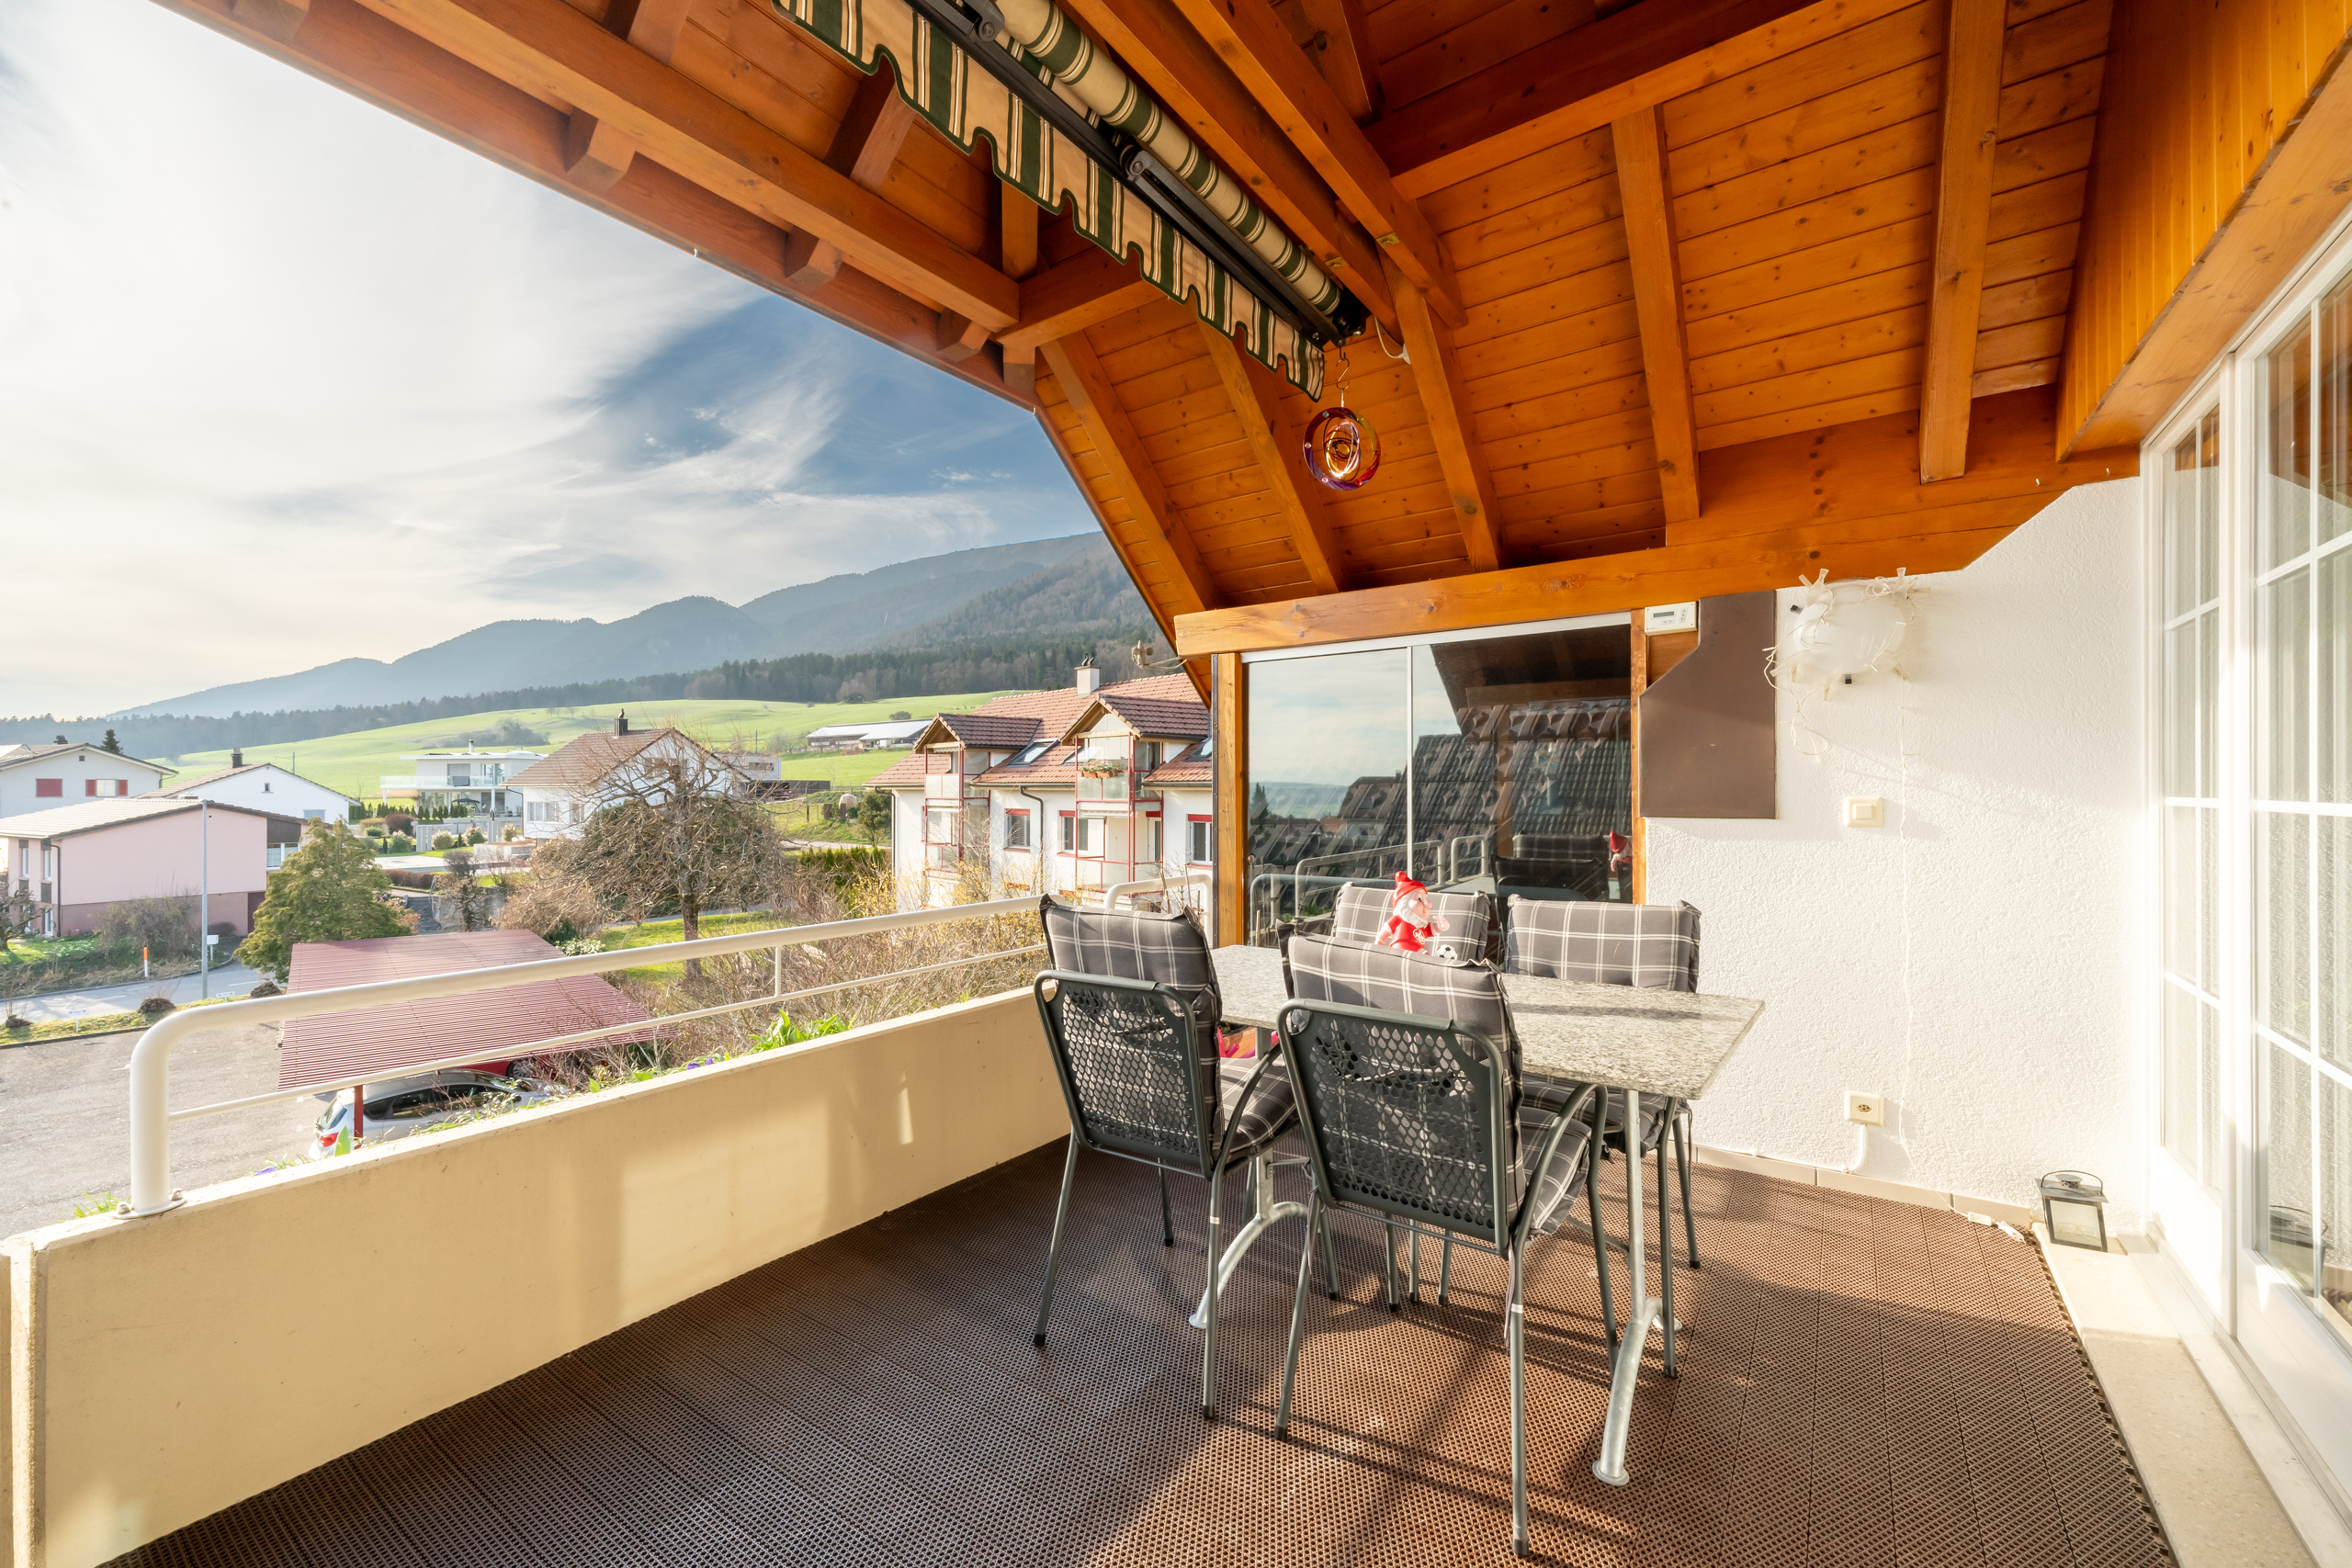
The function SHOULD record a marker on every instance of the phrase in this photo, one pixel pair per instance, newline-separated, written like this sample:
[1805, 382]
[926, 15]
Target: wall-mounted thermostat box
[1661, 619]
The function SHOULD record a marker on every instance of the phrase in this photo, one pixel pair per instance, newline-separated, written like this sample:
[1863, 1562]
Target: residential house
[468, 784]
[78, 861]
[1068, 791]
[555, 796]
[866, 737]
[35, 778]
[264, 787]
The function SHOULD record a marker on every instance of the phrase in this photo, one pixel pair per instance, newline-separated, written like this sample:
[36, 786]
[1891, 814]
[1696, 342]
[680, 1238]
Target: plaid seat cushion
[1554, 1184]
[1555, 1094]
[1323, 969]
[1134, 944]
[1268, 1111]
[1358, 913]
[1654, 945]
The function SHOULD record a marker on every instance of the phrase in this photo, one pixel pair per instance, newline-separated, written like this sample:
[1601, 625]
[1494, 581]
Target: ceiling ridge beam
[1595, 76]
[1971, 114]
[1257, 403]
[1343, 55]
[1154, 42]
[1257, 47]
[1095, 400]
[1640, 141]
[1461, 457]
[547, 46]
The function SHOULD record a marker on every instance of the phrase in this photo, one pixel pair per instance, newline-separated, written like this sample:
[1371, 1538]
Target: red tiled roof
[991, 730]
[1056, 767]
[905, 772]
[1158, 715]
[354, 1047]
[1055, 712]
[583, 760]
[1184, 770]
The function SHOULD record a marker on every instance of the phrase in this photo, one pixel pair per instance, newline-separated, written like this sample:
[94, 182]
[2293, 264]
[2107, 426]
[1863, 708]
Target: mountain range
[1056, 586]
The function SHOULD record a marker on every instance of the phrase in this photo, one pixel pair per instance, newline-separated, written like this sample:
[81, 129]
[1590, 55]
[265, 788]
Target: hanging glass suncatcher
[1343, 450]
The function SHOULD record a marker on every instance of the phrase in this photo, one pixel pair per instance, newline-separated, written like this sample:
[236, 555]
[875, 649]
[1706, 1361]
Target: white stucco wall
[1979, 960]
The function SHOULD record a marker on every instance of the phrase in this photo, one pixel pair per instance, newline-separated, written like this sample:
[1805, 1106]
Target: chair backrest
[1655, 945]
[1358, 912]
[1405, 1115]
[1137, 1072]
[1134, 944]
[1323, 969]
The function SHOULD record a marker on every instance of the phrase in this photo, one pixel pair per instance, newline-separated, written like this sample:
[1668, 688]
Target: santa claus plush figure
[1410, 924]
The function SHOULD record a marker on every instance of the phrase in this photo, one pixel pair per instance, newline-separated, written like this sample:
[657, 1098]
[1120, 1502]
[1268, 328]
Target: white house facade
[555, 796]
[42, 778]
[463, 784]
[264, 787]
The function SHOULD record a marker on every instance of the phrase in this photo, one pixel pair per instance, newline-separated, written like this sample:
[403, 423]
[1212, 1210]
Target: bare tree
[677, 828]
[460, 897]
[20, 915]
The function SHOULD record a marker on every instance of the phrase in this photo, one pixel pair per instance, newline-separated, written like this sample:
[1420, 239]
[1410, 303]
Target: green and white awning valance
[937, 79]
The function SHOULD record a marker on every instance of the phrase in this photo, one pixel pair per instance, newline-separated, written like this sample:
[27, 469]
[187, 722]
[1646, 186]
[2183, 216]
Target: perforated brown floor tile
[1863, 1382]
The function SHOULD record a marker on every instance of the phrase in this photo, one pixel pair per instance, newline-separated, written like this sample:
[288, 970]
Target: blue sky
[286, 379]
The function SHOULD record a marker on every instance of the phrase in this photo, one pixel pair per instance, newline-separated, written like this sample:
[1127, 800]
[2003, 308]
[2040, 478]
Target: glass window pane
[2181, 857]
[2208, 701]
[2182, 664]
[2332, 914]
[2209, 1049]
[2335, 412]
[2332, 1266]
[2209, 899]
[1522, 764]
[2283, 704]
[2281, 922]
[1327, 779]
[2289, 1241]
[2285, 487]
[2181, 491]
[2332, 644]
[2209, 507]
[2181, 1129]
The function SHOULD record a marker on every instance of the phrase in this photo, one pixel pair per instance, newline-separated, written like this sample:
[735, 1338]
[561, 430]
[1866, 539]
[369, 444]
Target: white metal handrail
[1127, 890]
[150, 1067]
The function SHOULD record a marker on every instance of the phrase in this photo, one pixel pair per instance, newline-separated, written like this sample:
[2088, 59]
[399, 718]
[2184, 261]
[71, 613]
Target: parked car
[398, 1107]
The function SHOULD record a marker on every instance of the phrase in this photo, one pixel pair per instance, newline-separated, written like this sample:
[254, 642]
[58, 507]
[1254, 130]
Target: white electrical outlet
[1866, 1109]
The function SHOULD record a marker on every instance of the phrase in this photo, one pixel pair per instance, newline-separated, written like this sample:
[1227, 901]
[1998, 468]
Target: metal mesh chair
[1653, 945]
[1137, 1060]
[1412, 1119]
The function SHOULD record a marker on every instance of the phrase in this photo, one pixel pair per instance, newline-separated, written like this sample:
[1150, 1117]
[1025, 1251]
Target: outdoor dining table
[1643, 1040]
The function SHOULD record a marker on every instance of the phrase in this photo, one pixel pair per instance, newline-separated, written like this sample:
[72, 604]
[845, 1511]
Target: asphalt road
[65, 1117]
[89, 1002]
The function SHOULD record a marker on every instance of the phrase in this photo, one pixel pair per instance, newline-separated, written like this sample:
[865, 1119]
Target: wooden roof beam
[1096, 402]
[1460, 457]
[864, 145]
[597, 154]
[1342, 48]
[1156, 44]
[1257, 48]
[385, 64]
[279, 19]
[553, 51]
[1257, 403]
[1595, 76]
[1963, 207]
[1640, 141]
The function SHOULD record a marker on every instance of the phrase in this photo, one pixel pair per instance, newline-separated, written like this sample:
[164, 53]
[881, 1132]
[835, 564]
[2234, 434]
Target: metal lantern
[2074, 1208]
[1343, 449]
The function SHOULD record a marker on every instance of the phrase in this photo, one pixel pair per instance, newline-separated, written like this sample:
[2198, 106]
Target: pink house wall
[161, 858]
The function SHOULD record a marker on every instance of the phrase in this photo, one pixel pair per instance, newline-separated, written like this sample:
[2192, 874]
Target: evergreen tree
[111, 744]
[874, 815]
[325, 892]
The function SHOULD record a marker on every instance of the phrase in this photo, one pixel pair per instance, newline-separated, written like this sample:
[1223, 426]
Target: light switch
[1865, 811]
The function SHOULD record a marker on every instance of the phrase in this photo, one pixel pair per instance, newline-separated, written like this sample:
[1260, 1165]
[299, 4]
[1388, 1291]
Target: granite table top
[1669, 1042]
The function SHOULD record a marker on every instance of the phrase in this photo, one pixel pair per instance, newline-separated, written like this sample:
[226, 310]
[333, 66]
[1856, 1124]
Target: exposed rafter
[597, 154]
[1257, 47]
[1459, 454]
[1596, 75]
[1257, 403]
[1342, 52]
[1155, 43]
[865, 146]
[1096, 402]
[1640, 141]
[280, 19]
[385, 64]
[553, 51]
[1069, 297]
[1964, 205]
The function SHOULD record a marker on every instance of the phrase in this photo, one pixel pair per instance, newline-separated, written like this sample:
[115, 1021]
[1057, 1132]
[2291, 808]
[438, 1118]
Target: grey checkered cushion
[1358, 913]
[1321, 969]
[1556, 1182]
[1269, 1107]
[1654, 945]
[1133, 945]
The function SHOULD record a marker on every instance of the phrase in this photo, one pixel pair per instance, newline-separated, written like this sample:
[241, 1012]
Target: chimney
[1089, 679]
[237, 757]
[620, 722]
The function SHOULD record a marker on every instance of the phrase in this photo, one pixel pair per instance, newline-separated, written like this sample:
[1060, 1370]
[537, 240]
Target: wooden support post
[1257, 403]
[1230, 722]
[1459, 454]
[1963, 209]
[1640, 141]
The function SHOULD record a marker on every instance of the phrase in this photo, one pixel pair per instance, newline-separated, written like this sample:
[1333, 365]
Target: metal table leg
[1611, 1466]
[1262, 1182]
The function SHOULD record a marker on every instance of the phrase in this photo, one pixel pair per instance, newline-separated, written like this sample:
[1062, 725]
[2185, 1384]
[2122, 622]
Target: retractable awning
[1066, 125]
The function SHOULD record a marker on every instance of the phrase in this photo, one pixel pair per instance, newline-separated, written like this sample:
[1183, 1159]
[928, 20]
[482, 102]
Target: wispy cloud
[334, 388]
